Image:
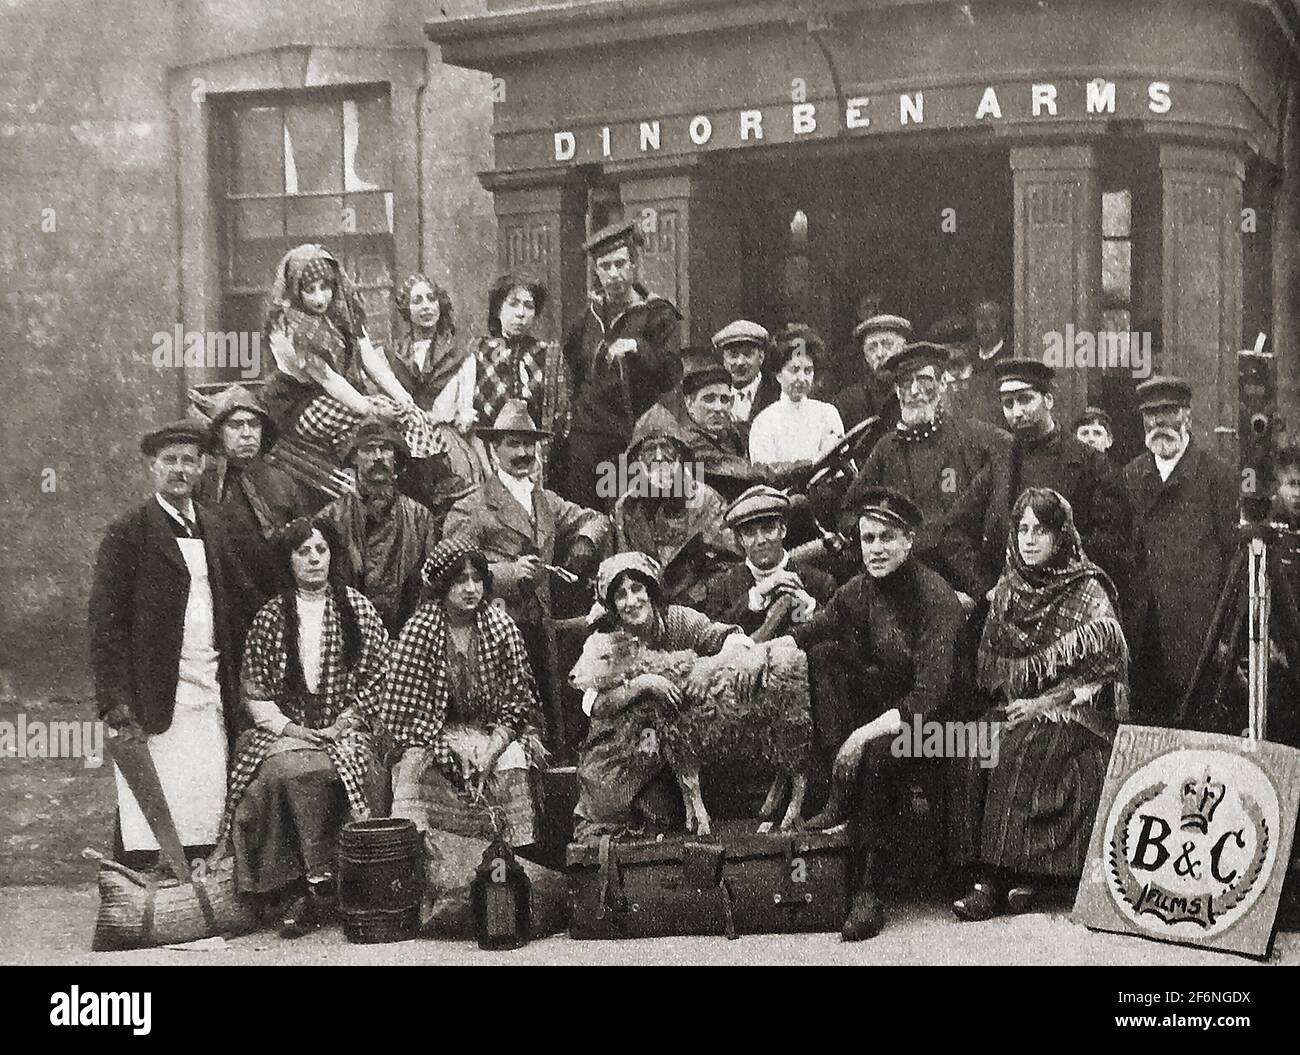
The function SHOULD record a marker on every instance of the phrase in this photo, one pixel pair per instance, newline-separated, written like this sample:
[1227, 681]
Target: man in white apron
[168, 609]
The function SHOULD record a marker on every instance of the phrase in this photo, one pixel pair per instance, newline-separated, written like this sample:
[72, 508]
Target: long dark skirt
[1033, 812]
[287, 823]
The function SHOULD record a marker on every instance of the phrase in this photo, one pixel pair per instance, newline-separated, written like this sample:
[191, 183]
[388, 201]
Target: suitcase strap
[612, 899]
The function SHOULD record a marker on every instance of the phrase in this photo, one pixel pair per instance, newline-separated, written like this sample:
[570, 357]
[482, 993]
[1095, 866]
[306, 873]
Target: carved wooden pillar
[1057, 256]
[1202, 193]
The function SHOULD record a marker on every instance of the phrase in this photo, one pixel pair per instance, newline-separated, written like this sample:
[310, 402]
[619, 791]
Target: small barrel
[380, 880]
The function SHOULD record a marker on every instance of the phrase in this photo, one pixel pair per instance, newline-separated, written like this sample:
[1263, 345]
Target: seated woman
[460, 708]
[437, 372]
[514, 364]
[616, 764]
[1054, 652]
[324, 361]
[795, 430]
[314, 667]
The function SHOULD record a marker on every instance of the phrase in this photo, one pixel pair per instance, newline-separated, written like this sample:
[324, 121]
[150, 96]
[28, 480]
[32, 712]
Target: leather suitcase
[732, 882]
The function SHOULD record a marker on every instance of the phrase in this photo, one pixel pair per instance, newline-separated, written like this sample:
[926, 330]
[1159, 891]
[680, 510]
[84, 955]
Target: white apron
[190, 756]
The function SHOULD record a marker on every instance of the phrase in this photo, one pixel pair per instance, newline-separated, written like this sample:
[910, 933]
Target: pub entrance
[924, 230]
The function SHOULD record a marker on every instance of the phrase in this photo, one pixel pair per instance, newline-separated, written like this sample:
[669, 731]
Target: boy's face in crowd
[884, 546]
[1094, 435]
[1288, 491]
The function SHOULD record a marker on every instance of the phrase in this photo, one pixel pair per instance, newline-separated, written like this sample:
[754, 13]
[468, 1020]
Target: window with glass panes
[304, 167]
[1117, 261]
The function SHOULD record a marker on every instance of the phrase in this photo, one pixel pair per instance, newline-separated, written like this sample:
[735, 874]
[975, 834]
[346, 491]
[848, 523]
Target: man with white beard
[1185, 508]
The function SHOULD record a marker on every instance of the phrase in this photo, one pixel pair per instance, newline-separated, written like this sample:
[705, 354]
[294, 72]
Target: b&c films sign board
[1192, 839]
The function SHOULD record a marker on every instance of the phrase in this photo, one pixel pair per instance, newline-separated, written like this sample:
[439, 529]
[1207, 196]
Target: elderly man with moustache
[744, 346]
[1185, 502]
[169, 606]
[934, 461]
[385, 536]
[881, 336]
[623, 357]
[521, 528]
[896, 627]
[253, 498]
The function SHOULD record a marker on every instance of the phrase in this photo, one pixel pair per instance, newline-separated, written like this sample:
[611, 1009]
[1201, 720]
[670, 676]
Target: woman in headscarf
[313, 671]
[514, 364]
[324, 362]
[438, 372]
[617, 763]
[1054, 654]
[461, 708]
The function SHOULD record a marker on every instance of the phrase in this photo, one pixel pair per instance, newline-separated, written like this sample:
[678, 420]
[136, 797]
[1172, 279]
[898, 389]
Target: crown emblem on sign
[1201, 797]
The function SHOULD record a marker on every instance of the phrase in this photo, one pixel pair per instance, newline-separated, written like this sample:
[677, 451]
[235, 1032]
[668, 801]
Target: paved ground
[52, 925]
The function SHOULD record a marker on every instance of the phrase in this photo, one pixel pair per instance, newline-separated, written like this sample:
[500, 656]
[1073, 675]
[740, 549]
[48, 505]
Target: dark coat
[726, 597]
[900, 631]
[1186, 533]
[937, 474]
[253, 503]
[725, 458]
[137, 614]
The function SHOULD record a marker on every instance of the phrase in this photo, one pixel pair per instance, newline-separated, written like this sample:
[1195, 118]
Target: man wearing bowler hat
[385, 535]
[743, 346]
[169, 606]
[624, 356]
[895, 628]
[1185, 503]
[770, 578]
[521, 528]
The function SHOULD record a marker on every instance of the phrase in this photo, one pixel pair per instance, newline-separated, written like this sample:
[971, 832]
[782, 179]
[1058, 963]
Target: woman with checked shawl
[1054, 653]
[514, 364]
[324, 362]
[313, 672]
[460, 706]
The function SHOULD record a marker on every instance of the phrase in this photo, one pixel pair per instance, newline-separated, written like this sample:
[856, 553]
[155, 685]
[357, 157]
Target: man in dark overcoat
[169, 606]
[1185, 502]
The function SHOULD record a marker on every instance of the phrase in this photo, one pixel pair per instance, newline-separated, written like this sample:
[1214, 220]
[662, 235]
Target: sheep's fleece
[775, 726]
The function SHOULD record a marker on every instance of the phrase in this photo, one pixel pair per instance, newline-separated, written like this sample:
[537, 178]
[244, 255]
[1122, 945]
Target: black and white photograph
[652, 483]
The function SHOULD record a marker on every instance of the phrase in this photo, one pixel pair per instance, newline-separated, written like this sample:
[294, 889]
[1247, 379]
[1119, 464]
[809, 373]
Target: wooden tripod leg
[1231, 592]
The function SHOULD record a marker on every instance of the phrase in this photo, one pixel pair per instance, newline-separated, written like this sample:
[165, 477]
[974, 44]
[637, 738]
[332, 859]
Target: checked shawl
[1053, 623]
[415, 703]
[352, 694]
[523, 368]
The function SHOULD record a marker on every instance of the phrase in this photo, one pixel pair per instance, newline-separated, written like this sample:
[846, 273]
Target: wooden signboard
[1192, 839]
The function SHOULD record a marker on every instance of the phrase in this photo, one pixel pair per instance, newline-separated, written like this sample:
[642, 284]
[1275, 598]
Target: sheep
[771, 724]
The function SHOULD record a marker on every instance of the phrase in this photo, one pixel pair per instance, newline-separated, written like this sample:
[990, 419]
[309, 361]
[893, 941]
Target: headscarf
[445, 357]
[444, 559]
[334, 337]
[1052, 622]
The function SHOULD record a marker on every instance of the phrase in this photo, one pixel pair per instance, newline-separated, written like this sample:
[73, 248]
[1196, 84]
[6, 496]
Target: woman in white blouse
[796, 429]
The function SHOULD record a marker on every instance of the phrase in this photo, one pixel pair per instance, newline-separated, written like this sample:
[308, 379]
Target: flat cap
[607, 239]
[883, 324]
[742, 331]
[916, 354]
[756, 503]
[1164, 392]
[888, 505]
[183, 431]
[1016, 374]
[700, 367]
[1092, 416]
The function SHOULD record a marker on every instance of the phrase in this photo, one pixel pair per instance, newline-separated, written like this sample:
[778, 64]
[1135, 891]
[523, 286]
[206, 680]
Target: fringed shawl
[1053, 625]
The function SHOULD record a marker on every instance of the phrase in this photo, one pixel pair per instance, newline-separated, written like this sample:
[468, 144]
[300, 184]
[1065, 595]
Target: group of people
[294, 660]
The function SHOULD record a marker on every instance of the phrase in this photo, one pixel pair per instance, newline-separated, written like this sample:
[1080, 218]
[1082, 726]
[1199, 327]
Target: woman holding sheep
[620, 757]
